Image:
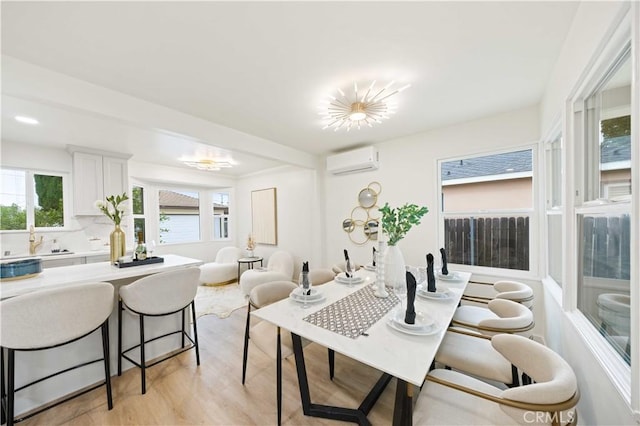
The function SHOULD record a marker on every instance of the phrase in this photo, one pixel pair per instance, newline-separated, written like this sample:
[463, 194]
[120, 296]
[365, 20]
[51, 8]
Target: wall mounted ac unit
[358, 160]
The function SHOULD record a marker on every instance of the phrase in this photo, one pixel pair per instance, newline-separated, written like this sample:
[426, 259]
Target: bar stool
[159, 295]
[48, 319]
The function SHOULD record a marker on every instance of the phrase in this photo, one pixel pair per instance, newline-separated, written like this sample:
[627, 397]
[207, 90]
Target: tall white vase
[395, 270]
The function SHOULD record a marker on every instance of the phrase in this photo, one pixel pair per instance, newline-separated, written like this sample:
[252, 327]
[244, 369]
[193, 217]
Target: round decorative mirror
[371, 229]
[348, 225]
[367, 198]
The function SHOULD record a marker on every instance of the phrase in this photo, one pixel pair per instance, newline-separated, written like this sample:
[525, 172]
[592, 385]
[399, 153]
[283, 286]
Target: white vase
[395, 270]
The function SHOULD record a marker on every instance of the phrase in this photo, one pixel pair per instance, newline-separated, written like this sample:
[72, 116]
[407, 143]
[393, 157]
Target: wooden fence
[606, 246]
[498, 242]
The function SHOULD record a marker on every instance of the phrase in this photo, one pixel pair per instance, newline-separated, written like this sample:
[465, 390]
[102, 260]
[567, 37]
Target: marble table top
[403, 355]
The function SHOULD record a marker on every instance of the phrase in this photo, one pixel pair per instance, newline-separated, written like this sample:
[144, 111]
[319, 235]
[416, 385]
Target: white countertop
[404, 356]
[59, 255]
[91, 272]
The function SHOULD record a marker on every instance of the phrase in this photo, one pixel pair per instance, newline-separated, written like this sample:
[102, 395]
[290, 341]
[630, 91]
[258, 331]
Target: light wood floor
[179, 392]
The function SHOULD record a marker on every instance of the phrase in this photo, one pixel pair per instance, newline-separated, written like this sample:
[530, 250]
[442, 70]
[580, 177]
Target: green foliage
[49, 190]
[137, 200]
[614, 127]
[163, 230]
[13, 217]
[397, 222]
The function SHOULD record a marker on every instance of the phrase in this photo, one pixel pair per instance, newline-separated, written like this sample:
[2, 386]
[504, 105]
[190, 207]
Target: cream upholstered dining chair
[472, 353]
[449, 397]
[266, 336]
[319, 276]
[500, 316]
[225, 268]
[279, 268]
[159, 295]
[342, 267]
[504, 289]
[51, 318]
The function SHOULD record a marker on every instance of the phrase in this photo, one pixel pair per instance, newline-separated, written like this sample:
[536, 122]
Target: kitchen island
[32, 365]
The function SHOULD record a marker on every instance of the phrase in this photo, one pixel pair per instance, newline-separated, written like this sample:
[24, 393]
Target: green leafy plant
[396, 222]
[113, 208]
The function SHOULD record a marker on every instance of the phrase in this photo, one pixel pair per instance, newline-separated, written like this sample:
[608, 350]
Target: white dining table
[397, 354]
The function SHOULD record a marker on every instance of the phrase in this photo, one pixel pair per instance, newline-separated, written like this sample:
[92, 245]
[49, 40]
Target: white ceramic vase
[395, 270]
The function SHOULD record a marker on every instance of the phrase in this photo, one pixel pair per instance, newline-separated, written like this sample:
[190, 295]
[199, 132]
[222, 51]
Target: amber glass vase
[117, 244]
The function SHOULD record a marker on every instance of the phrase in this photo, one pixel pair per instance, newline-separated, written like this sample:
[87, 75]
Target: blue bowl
[20, 268]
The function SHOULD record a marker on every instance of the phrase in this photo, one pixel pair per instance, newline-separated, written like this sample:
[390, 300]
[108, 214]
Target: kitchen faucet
[33, 244]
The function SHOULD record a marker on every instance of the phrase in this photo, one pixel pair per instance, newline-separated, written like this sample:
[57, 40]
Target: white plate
[342, 279]
[451, 277]
[435, 328]
[437, 295]
[422, 321]
[369, 267]
[297, 293]
[300, 299]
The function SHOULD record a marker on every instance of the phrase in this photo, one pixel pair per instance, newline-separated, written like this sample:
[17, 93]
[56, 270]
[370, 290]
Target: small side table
[249, 261]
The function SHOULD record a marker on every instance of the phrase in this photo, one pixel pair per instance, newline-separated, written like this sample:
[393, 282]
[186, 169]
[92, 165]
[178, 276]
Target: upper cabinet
[96, 175]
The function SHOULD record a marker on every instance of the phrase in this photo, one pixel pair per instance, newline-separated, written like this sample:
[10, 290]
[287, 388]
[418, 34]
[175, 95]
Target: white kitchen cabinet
[96, 175]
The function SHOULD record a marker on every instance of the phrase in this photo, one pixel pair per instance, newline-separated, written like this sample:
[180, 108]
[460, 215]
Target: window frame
[625, 378]
[30, 200]
[534, 218]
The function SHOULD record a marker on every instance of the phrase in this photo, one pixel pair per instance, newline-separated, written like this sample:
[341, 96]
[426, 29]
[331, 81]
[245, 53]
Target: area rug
[220, 301]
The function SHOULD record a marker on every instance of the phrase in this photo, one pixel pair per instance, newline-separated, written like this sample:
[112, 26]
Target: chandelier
[209, 165]
[360, 108]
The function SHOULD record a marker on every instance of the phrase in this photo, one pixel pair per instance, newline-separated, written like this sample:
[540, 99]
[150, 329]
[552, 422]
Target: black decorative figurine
[431, 279]
[410, 315]
[445, 271]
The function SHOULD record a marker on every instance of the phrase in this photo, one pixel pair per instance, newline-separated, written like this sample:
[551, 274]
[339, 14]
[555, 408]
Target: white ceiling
[262, 68]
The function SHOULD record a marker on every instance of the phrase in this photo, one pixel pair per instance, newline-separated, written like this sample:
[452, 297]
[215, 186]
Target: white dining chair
[500, 316]
[266, 336]
[472, 353]
[159, 295]
[452, 398]
[48, 319]
[504, 289]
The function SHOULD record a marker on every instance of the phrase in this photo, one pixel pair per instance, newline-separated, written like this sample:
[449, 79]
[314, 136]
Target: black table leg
[403, 409]
[358, 415]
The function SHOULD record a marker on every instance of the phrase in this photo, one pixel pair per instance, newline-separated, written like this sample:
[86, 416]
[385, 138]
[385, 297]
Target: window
[487, 203]
[137, 202]
[179, 216]
[220, 215]
[603, 211]
[31, 198]
[553, 203]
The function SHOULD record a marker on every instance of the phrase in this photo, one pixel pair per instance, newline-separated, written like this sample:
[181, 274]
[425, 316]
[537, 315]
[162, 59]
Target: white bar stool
[51, 318]
[159, 295]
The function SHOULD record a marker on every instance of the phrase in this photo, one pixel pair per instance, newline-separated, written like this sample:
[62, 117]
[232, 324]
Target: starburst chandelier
[208, 164]
[360, 108]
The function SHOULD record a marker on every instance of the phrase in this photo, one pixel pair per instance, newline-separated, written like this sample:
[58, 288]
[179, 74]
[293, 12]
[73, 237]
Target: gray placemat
[354, 314]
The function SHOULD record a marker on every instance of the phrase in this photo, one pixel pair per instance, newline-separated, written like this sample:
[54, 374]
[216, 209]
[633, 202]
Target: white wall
[299, 213]
[408, 174]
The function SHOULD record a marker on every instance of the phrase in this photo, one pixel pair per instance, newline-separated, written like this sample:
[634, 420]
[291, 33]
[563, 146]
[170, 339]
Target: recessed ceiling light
[510, 169]
[26, 120]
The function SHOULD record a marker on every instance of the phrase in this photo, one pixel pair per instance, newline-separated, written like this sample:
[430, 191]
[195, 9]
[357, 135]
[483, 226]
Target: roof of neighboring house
[616, 149]
[176, 199]
[488, 165]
